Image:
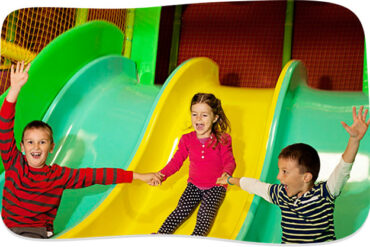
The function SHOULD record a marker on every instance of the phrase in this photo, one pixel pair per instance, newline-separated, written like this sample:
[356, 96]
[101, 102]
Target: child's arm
[18, 78]
[85, 177]
[251, 185]
[9, 151]
[356, 131]
[176, 162]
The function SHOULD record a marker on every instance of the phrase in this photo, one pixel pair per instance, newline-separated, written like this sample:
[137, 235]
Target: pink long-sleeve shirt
[206, 163]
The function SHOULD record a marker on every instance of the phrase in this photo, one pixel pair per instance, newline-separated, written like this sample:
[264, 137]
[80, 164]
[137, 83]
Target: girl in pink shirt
[210, 154]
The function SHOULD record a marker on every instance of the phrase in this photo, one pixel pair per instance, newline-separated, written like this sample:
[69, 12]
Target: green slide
[89, 94]
[57, 63]
[97, 118]
[312, 116]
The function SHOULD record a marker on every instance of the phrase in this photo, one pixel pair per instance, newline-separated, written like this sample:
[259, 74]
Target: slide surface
[91, 92]
[137, 208]
[313, 116]
[97, 120]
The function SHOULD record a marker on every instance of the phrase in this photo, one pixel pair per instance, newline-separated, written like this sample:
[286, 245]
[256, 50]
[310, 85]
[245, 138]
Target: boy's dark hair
[37, 124]
[306, 157]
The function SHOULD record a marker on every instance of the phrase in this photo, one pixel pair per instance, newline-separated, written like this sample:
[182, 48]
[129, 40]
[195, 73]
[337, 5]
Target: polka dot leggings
[210, 200]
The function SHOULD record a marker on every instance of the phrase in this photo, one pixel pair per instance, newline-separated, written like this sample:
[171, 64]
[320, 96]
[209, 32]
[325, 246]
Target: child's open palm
[19, 75]
[359, 127]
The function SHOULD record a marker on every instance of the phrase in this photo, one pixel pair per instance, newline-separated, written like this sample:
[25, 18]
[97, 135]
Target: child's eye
[29, 142]
[205, 115]
[42, 142]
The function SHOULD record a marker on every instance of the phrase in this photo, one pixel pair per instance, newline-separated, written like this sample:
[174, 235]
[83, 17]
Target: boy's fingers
[354, 115]
[364, 115]
[12, 70]
[27, 67]
[345, 126]
[22, 67]
[17, 69]
[360, 112]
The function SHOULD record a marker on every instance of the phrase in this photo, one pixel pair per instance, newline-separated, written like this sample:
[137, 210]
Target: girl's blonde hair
[222, 125]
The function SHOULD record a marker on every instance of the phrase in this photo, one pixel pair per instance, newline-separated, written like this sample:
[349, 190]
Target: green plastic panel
[98, 119]
[145, 43]
[311, 116]
[57, 63]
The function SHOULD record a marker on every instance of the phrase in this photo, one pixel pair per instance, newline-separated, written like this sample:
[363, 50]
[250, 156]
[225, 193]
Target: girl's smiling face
[202, 119]
[37, 145]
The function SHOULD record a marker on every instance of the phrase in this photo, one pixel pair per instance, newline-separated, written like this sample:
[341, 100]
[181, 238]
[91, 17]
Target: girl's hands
[223, 179]
[359, 127]
[159, 177]
[154, 180]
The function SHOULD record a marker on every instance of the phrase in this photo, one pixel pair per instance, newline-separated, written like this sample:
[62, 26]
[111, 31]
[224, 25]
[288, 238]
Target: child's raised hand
[359, 126]
[19, 75]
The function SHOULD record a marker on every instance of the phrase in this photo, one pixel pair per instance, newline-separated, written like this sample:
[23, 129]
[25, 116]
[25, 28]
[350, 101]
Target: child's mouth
[286, 187]
[199, 126]
[36, 155]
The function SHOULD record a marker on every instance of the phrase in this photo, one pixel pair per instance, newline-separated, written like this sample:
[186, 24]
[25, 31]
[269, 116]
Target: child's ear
[307, 177]
[216, 118]
[22, 147]
[52, 147]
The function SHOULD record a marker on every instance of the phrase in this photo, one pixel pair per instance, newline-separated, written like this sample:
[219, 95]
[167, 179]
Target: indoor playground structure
[108, 106]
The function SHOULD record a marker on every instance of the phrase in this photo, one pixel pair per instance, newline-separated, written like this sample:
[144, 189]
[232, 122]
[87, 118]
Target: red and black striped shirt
[31, 196]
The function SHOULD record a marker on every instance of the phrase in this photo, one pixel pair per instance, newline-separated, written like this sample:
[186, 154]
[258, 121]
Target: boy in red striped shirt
[32, 189]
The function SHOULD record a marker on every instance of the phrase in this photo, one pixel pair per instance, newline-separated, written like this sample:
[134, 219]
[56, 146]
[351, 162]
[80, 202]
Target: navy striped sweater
[31, 196]
[305, 219]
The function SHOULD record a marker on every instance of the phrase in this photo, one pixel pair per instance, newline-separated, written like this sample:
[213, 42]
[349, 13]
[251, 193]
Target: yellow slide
[137, 208]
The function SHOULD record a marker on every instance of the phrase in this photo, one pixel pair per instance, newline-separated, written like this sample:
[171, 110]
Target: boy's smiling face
[37, 145]
[294, 180]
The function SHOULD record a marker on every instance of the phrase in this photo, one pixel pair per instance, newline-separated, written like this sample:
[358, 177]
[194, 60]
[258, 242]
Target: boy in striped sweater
[307, 208]
[32, 189]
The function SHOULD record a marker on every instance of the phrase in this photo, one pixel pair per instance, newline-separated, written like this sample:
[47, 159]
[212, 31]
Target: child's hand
[152, 179]
[359, 127]
[149, 178]
[155, 180]
[19, 76]
[223, 179]
[159, 175]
